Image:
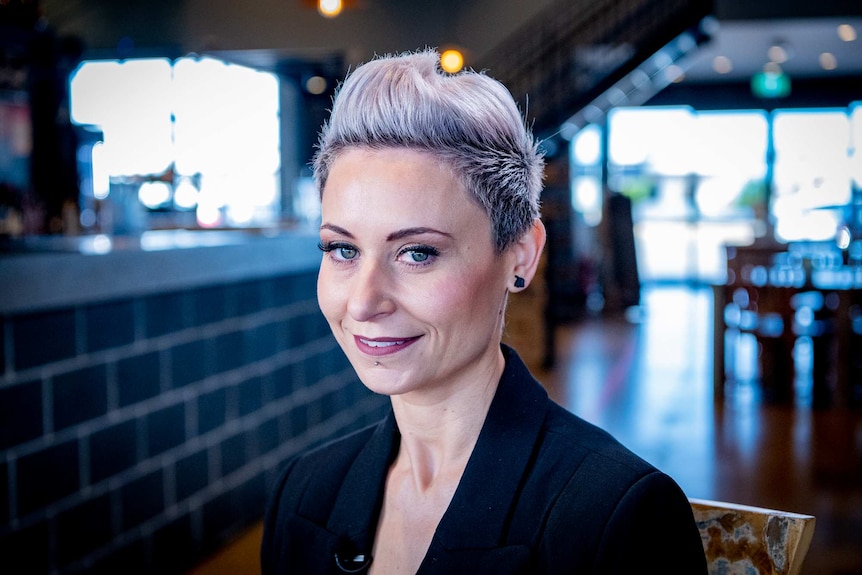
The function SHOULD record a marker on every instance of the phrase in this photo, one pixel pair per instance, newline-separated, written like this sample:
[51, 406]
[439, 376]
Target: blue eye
[339, 251]
[420, 254]
[346, 253]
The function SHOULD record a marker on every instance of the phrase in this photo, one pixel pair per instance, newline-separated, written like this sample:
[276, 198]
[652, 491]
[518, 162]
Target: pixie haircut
[467, 120]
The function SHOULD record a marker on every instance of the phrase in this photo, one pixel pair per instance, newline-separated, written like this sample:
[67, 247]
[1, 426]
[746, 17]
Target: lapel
[357, 507]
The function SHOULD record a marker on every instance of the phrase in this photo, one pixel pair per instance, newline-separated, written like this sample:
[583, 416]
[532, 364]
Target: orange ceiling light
[451, 61]
[330, 8]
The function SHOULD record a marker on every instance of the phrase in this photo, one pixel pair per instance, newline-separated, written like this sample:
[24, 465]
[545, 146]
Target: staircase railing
[577, 58]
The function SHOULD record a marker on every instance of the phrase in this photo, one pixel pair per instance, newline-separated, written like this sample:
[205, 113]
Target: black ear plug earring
[519, 282]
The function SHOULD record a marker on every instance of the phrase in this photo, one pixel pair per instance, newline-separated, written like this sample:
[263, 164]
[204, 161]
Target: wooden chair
[743, 540]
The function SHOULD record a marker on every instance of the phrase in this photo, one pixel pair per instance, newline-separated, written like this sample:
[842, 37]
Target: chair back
[744, 540]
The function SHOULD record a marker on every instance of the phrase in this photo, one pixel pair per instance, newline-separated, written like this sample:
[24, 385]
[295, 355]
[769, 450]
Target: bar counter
[151, 388]
[44, 272]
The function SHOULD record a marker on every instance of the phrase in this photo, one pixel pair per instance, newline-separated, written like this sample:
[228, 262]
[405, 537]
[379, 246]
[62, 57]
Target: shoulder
[589, 448]
[600, 473]
[620, 503]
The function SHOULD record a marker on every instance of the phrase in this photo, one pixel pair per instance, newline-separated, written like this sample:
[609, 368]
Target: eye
[419, 254]
[345, 252]
[339, 251]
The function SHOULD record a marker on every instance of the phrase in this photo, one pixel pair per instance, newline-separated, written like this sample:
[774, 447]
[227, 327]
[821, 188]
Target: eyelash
[429, 251]
[331, 246]
[426, 250]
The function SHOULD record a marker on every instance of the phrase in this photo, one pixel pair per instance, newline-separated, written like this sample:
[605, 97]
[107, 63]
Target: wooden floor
[647, 379]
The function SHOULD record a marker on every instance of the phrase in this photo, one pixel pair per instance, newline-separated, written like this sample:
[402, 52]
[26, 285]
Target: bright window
[812, 182]
[194, 135]
[701, 179]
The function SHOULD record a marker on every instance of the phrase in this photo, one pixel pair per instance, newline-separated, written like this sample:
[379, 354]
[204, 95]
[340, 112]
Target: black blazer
[543, 492]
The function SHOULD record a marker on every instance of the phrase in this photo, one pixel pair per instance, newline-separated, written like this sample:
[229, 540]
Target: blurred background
[161, 350]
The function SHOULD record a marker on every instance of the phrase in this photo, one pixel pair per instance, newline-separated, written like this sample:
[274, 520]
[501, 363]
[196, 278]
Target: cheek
[328, 296]
[461, 299]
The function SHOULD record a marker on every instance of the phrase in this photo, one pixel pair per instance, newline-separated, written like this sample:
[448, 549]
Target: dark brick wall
[137, 435]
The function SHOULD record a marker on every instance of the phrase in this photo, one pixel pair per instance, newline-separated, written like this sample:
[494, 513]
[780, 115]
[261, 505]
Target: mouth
[381, 346]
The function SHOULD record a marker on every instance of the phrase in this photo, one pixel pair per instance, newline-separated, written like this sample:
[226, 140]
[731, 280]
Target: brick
[263, 341]
[47, 476]
[142, 499]
[191, 474]
[20, 413]
[208, 305]
[285, 381]
[138, 378]
[268, 437]
[190, 363]
[83, 529]
[250, 395]
[166, 429]
[109, 325]
[233, 453]
[79, 395]
[113, 450]
[164, 313]
[282, 292]
[42, 338]
[229, 351]
[245, 296]
[212, 410]
[299, 420]
[312, 370]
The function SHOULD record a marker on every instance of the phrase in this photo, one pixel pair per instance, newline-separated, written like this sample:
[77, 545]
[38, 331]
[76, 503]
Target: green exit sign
[770, 84]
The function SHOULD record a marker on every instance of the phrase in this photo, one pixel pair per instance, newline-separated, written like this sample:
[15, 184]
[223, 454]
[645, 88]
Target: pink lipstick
[381, 346]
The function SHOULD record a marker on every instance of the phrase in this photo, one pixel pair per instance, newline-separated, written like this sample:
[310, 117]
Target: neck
[438, 436]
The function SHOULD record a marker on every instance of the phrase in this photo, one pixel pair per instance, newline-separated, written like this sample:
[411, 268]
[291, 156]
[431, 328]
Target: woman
[430, 217]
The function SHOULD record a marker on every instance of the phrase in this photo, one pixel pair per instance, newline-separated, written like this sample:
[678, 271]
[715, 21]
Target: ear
[526, 253]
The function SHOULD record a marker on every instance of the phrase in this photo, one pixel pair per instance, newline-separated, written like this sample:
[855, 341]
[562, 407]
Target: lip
[382, 346]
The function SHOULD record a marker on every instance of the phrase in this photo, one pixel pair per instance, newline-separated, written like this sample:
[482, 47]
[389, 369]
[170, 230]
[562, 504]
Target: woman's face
[410, 282]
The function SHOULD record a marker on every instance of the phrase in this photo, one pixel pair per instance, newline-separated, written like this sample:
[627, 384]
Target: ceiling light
[777, 53]
[828, 61]
[451, 61]
[722, 65]
[330, 8]
[847, 32]
[316, 85]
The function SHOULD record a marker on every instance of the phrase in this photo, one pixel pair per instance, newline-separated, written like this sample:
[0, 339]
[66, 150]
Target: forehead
[395, 182]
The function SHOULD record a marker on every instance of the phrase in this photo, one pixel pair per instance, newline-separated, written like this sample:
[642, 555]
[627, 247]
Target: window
[194, 141]
[701, 179]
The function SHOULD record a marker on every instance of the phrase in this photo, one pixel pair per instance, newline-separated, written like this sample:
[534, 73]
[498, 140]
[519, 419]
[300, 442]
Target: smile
[378, 347]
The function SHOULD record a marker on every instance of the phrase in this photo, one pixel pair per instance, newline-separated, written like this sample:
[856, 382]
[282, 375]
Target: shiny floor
[647, 378]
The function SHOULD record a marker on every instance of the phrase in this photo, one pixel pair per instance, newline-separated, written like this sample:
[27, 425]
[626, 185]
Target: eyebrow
[397, 235]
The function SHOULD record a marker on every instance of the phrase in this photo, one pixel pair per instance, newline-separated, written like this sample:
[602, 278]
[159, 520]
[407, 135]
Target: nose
[370, 294]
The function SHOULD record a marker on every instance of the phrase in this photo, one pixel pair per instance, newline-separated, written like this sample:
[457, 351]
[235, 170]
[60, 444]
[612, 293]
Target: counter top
[46, 272]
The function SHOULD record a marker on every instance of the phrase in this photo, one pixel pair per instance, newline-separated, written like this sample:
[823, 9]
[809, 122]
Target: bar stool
[814, 318]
